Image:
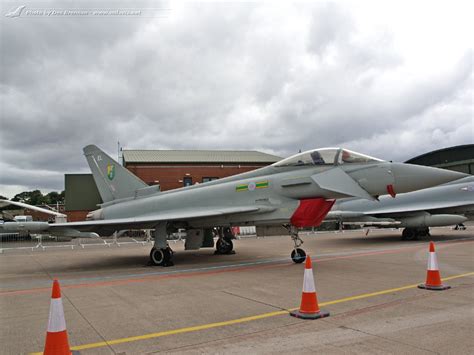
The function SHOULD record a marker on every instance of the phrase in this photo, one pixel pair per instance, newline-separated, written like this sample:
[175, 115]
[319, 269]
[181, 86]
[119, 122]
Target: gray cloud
[217, 76]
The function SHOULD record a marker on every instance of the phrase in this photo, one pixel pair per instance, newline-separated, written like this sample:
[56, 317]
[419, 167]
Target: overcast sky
[391, 79]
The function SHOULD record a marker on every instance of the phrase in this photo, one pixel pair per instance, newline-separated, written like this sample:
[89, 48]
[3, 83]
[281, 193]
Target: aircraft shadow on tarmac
[205, 258]
[184, 259]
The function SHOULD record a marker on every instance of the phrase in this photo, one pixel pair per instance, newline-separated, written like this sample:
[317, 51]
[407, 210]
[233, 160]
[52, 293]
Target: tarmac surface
[115, 303]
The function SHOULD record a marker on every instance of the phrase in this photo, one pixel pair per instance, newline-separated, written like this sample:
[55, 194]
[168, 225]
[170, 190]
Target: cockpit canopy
[326, 156]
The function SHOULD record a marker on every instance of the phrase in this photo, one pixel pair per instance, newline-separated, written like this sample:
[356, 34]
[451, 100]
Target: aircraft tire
[409, 234]
[161, 257]
[298, 255]
[424, 232]
[224, 246]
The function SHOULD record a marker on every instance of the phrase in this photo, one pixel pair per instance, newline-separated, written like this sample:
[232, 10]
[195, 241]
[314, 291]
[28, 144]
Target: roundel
[252, 186]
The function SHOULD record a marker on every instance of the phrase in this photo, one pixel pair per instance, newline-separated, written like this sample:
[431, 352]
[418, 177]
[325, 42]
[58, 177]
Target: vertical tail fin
[113, 180]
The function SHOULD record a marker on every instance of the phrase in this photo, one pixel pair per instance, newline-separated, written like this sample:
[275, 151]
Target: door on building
[187, 181]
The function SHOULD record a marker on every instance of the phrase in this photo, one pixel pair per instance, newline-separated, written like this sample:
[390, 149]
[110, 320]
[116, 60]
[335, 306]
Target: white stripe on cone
[432, 261]
[308, 281]
[56, 323]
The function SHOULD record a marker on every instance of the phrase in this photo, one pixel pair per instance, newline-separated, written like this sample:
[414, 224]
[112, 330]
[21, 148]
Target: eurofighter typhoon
[295, 192]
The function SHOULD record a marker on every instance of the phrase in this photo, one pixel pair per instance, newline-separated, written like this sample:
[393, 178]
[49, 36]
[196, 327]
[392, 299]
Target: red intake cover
[311, 212]
[391, 190]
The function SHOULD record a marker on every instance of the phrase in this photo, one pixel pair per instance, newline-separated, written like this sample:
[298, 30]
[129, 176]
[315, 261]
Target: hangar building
[458, 158]
[170, 169]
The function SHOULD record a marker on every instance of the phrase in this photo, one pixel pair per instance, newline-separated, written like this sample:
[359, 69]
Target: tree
[22, 197]
[55, 197]
[36, 198]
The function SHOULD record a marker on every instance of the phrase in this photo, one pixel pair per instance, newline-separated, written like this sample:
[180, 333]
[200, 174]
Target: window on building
[187, 181]
[207, 179]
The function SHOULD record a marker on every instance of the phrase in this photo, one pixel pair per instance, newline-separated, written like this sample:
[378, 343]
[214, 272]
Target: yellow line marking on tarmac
[244, 319]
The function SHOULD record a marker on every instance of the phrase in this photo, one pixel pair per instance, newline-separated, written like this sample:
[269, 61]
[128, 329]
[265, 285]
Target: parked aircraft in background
[445, 205]
[295, 192]
[58, 217]
[27, 225]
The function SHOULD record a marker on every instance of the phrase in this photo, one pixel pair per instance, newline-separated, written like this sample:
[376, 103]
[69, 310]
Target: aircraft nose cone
[409, 177]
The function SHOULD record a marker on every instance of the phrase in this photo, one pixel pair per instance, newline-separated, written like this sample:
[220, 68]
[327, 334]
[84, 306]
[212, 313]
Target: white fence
[250, 231]
[16, 242]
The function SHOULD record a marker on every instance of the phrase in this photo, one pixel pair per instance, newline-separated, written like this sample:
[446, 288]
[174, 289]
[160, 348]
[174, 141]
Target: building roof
[460, 153]
[198, 156]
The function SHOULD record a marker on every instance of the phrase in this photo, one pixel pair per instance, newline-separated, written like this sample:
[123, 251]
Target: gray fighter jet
[445, 205]
[295, 192]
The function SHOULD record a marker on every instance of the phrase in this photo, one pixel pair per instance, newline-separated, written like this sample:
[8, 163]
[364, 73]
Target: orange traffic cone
[433, 278]
[56, 336]
[309, 308]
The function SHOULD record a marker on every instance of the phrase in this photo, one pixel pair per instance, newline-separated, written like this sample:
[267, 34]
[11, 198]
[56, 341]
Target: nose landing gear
[298, 255]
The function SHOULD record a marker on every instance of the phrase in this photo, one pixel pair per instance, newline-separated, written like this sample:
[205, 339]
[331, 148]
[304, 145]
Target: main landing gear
[415, 233]
[224, 244]
[298, 255]
[161, 254]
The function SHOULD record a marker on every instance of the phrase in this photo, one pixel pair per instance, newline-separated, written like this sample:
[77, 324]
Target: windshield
[326, 156]
[348, 156]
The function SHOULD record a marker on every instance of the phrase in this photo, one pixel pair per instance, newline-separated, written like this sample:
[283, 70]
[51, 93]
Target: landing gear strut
[161, 254]
[298, 255]
[224, 244]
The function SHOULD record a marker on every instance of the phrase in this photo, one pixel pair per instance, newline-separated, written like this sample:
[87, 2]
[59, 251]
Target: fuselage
[276, 190]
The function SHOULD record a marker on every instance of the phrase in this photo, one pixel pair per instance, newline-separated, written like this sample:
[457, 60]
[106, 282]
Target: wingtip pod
[309, 308]
[433, 276]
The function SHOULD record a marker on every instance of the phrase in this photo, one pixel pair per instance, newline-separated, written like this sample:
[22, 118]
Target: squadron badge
[111, 171]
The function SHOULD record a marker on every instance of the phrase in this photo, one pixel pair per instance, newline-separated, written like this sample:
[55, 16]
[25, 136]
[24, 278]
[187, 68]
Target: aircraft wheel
[224, 246]
[161, 257]
[409, 234]
[298, 255]
[424, 232]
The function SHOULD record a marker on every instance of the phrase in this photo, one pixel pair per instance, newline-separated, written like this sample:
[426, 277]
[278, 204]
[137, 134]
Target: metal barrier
[245, 232]
[17, 242]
